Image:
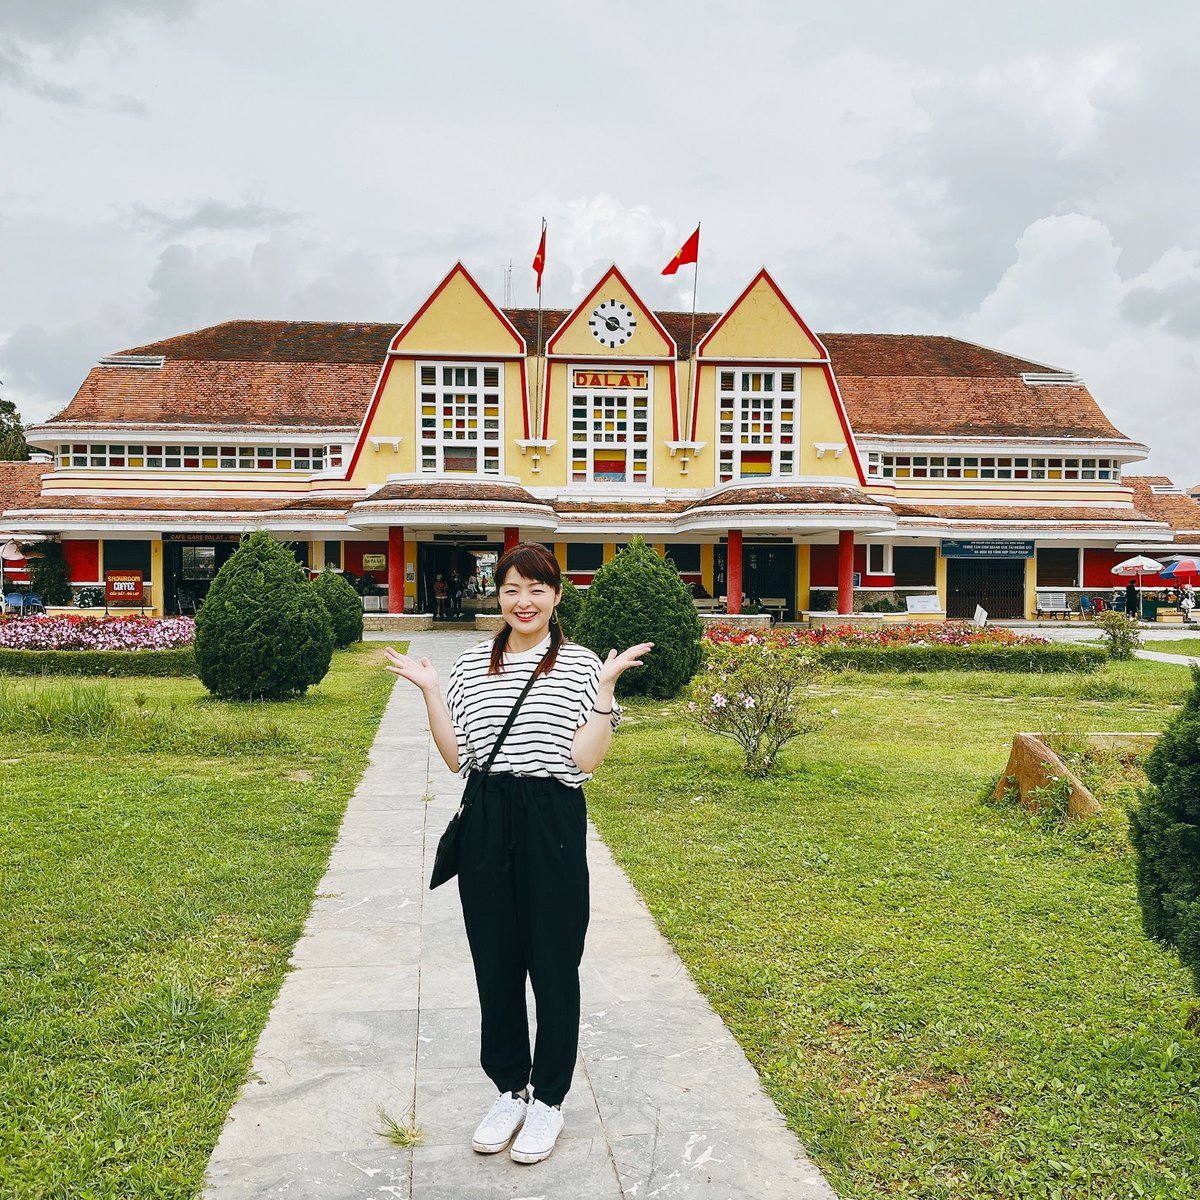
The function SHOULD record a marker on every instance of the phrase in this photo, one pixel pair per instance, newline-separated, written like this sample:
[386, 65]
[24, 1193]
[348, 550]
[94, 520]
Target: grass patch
[405, 1135]
[946, 998]
[160, 854]
[1187, 646]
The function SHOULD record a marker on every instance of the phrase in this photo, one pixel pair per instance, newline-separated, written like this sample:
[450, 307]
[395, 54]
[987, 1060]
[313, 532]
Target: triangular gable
[761, 323]
[574, 338]
[458, 318]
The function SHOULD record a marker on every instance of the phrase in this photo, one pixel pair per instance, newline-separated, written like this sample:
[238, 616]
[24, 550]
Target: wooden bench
[1053, 604]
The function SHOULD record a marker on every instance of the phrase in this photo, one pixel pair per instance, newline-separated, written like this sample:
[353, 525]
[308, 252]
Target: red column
[733, 572]
[512, 535]
[845, 572]
[395, 569]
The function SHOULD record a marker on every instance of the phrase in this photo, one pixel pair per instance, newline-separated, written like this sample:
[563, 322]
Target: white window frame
[732, 433]
[598, 440]
[474, 409]
[195, 456]
[973, 468]
[886, 569]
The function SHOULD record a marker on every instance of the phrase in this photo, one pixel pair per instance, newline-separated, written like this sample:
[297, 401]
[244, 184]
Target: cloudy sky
[1022, 175]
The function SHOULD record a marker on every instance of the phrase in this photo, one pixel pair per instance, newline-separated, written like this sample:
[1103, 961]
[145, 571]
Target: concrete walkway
[379, 1013]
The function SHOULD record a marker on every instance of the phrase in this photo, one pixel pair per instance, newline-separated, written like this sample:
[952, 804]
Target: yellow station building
[811, 472]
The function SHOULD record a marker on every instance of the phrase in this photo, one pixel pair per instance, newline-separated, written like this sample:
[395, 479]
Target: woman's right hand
[421, 672]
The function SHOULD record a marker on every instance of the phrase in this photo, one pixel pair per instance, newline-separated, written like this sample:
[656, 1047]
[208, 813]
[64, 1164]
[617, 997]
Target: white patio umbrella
[1138, 565]
[9, 552]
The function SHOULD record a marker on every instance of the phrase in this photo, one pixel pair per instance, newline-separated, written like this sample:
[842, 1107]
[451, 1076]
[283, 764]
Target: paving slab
[378, 1018]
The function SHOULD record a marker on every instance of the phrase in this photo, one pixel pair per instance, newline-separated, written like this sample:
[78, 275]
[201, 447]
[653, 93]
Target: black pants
[523, 882]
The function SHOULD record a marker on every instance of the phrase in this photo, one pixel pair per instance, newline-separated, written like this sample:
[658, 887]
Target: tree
[638, 597]
[1165, 832]
[344, 607]
[570, 607]
[262, 631]
[13, 446]
[49, 575]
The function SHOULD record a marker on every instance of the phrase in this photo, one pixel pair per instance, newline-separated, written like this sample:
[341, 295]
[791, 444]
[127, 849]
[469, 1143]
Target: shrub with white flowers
[758, 694]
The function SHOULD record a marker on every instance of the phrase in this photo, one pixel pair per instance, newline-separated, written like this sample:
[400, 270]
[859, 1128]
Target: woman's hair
[537, 563]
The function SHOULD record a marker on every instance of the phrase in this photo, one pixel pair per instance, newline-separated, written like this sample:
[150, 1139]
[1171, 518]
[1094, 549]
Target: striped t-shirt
[539, 742]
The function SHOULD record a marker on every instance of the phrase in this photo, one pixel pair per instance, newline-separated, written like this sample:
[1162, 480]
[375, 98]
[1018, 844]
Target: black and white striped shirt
[539, 742]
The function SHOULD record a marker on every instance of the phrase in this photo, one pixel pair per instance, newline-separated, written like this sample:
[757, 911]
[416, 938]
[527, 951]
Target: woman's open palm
[616, 664]
[419, 671]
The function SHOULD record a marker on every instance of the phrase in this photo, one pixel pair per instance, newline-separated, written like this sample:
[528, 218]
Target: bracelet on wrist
[603, 712]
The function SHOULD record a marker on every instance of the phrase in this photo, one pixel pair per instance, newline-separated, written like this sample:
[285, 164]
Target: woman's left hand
[615, 663]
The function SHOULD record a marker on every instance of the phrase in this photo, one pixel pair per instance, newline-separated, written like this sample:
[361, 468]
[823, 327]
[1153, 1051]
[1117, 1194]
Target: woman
[1132, 605]
[523, 877]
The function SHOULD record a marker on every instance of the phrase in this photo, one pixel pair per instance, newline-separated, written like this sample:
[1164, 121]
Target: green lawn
[1188, 646]
[946, 998]
[157, 871]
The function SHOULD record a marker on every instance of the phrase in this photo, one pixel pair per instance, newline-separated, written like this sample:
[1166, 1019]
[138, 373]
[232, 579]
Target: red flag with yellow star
[539, 259]
[689, 252]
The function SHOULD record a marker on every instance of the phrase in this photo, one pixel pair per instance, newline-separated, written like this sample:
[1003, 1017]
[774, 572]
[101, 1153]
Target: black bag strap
[512, 716]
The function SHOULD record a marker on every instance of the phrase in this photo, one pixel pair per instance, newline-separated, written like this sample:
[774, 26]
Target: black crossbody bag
[445, 862]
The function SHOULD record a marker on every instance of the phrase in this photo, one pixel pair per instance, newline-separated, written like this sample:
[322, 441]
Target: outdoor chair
[1086, 607]
[14, 602]
[33, 603]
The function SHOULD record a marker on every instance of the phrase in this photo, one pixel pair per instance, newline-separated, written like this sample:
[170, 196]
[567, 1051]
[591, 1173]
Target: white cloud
[1064, 301]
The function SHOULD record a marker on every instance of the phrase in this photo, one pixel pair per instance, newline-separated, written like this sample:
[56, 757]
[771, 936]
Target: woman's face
[527, 604]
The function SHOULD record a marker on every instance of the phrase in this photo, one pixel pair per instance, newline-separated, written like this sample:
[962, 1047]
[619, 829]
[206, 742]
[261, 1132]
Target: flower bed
[97, 633]
[952, 646]
[948, 633]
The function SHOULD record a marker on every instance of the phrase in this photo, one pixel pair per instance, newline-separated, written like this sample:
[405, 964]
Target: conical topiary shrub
[1165, 831]
[344, 607]
[639, 597]
[262, 632]
[570, 607]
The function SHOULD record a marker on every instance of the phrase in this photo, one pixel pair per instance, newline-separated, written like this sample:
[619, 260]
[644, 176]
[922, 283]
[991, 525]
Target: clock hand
[613, 323]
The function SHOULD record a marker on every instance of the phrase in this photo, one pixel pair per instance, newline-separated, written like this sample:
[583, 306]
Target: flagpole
[692, 341]
[537, 403]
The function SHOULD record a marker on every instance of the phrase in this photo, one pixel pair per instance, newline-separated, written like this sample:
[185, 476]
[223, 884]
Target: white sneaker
[538, 1135]
[504, 1118]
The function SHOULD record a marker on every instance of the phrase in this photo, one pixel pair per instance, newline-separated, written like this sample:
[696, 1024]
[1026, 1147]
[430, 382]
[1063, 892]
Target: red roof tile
[1179, 511]
[21, 483]
[321, 375]
[770, 494]
[448, 489]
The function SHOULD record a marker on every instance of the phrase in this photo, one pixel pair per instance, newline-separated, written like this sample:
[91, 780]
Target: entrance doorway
[768, 574]
[997, 584]
[434, 559]
[189, 569]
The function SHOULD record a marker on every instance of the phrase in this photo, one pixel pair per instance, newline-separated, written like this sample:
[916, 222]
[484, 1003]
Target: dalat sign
[610, 379]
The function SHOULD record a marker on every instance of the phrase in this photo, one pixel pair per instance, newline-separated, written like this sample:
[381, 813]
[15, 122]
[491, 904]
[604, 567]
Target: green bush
[638, 597]
[757, 695]
[160, 663]
[1122, 633]
[570, 608]
[48, 573]
[1034, 659]
[344, 607]
[1165, 832]
[262, 632]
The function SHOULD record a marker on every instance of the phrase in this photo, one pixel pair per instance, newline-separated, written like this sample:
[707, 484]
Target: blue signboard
[987, 548]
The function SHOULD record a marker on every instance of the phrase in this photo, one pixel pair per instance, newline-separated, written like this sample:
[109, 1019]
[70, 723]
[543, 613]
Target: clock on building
[612, 323]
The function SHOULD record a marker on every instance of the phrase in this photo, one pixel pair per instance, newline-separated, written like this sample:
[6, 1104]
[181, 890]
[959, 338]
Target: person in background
[441, 596]
[456, 593]
[1132, 606]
